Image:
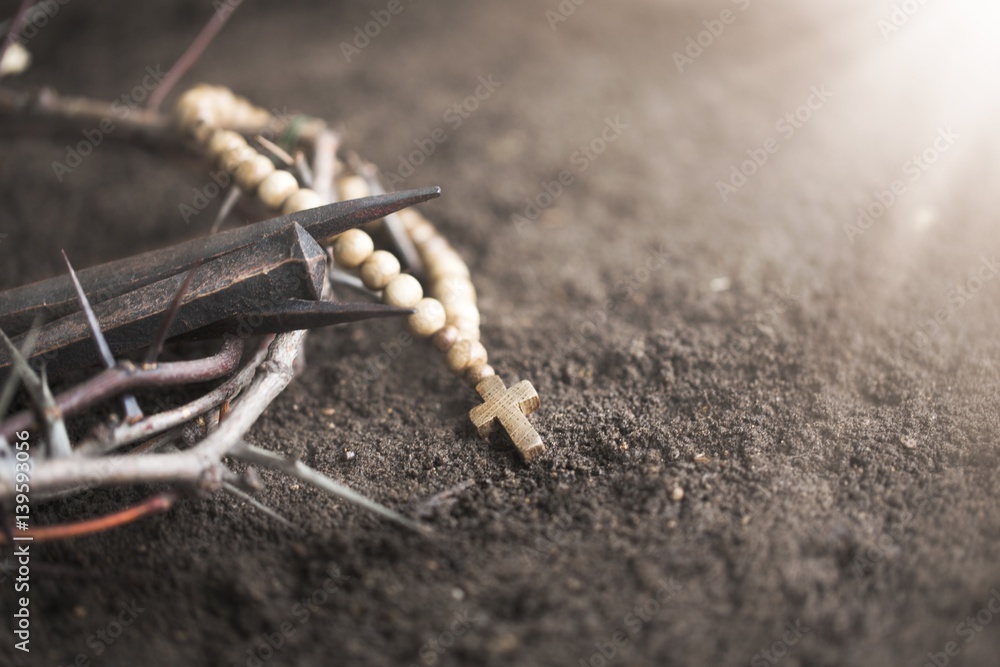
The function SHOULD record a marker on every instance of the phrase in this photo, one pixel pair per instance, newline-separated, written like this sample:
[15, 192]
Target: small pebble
[677, 494]
[908, 442]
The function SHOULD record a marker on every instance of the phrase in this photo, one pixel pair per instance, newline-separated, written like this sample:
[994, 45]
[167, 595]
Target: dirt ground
[833, 442]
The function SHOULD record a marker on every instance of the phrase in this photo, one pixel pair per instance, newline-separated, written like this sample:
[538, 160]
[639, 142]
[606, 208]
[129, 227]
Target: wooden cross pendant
[509, 408]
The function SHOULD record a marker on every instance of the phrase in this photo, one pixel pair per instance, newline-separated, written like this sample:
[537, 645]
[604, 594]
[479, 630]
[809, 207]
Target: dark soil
[833, 476]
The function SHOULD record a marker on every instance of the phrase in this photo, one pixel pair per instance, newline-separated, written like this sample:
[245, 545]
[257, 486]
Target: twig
[127, 376]
[38, 389]
[164, 421]
[302, 472]
[191, 55]
[153, 505]
[201, 465]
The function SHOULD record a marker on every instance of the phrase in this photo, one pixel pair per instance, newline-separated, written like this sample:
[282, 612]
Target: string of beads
[215, 119]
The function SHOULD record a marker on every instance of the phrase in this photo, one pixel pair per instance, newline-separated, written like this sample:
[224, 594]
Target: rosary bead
[379, 269]
[465, 353]
[445, 338]
[428, 319]
[253, 171]
[276, 188]
[466, 329]
[353, 187]
[448, 264]
[222, 141]
[477, 372]
[454, 291]
[403, 291]
[352, 248]
[234, 158]
[466, 313]
[302, 200]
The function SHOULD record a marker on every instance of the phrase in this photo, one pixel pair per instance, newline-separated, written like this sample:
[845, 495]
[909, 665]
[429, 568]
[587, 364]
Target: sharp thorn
[256, 504]
[161, 336]
[10, 386]
[232, 196]
[132, 411]
[95, 327]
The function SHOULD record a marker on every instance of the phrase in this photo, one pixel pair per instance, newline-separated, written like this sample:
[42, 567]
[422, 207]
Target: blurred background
[744, 249]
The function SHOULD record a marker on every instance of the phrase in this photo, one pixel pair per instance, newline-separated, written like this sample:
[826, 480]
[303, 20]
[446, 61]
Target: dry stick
[201, 465]
[164, 421]
[75, 114]
[155, 504]
[325, 148]
[275, 150]
[38, 389]
[300, 471]
[126, 377]
[190, 56]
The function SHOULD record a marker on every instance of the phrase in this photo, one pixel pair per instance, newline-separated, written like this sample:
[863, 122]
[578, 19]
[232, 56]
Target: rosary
[450, 316]
[100, 313]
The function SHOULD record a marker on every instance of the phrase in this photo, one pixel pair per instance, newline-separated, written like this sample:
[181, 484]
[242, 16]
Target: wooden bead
[352, 248]
[276, 188]
[432, 249]
[250, 174]
[428, 319]
[234, 158]
[466, 313]
[379, 269]
[302, 200]
[454, 291]
[403, 291]
[222, 141]
[447, 265]
[466, 329]
[353, 187]
[477, 372]
[445, 338]
[465, 353]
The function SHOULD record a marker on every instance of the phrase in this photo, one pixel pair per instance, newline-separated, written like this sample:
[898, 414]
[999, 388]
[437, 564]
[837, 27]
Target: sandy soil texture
[761, 313]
